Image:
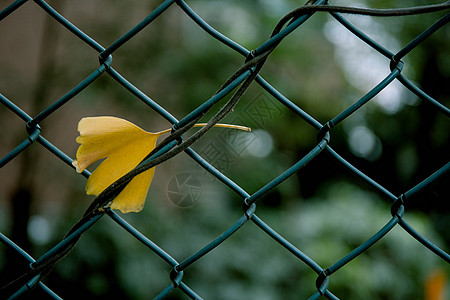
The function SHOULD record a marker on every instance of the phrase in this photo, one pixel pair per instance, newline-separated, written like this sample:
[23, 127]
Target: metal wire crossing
[174, 144]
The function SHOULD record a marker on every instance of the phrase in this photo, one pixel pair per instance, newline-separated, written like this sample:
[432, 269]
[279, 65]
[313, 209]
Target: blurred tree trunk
[432, 154]
[26, 191]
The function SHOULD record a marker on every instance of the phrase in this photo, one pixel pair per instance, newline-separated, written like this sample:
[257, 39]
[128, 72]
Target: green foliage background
[323, 210]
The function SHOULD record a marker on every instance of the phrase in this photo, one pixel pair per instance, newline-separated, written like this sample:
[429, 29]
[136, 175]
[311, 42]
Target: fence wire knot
[176, 277]
[322, 282]
[398, 208]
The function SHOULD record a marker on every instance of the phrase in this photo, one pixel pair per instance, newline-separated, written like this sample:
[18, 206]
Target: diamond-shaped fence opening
[338, 191]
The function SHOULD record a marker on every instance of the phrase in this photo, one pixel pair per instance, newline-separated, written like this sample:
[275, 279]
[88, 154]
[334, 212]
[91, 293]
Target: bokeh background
[325, 211]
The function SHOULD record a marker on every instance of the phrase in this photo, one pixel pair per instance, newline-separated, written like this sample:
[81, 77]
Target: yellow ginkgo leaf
[124, 145]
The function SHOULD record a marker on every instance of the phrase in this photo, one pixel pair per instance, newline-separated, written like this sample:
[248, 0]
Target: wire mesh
[235, 86]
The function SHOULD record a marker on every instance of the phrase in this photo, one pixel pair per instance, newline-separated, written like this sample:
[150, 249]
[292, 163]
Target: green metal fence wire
[174, 144]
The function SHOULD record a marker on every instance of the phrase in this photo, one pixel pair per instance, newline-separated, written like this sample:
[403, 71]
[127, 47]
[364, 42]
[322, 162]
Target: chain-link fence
[211, 157]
